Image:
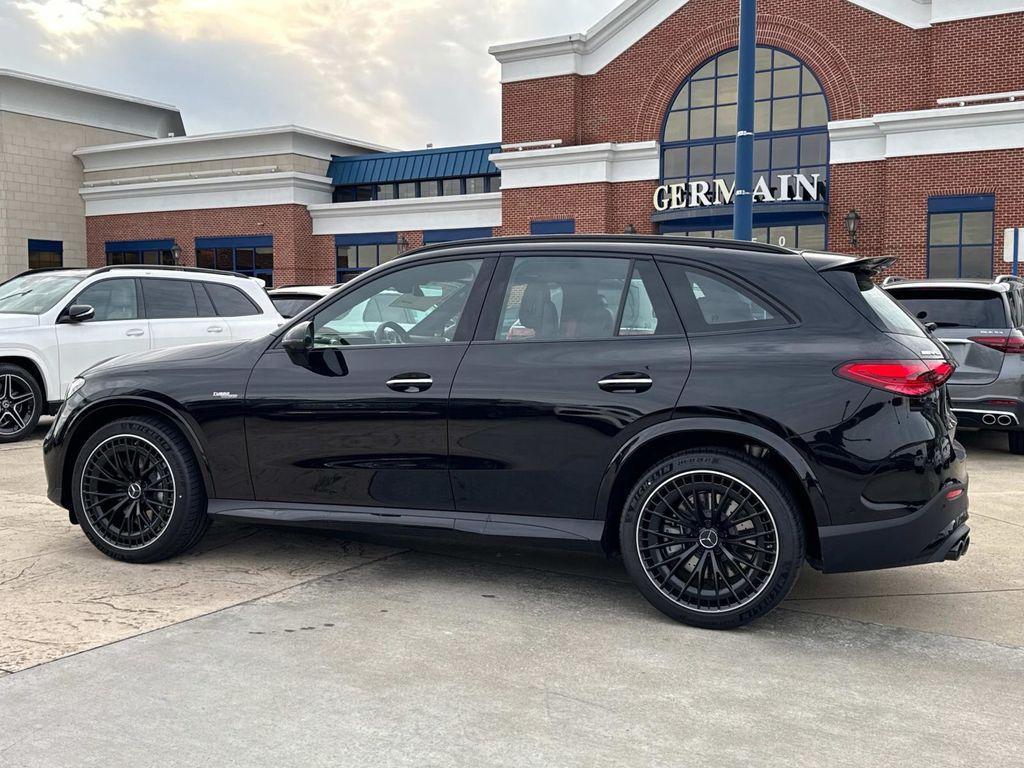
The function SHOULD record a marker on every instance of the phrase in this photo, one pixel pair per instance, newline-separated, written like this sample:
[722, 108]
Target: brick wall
[299, 256]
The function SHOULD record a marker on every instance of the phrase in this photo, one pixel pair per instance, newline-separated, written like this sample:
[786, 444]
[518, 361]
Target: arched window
[791, 127]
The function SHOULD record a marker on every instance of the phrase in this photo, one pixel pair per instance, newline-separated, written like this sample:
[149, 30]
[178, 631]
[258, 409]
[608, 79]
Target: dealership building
[882, 127]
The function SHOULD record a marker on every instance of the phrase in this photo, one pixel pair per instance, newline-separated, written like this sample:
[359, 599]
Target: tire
[670, 543]
[1016, 443]
[137, 491]
[21, 403]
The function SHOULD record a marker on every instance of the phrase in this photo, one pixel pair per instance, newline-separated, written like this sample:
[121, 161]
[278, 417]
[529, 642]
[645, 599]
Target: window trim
[786, 317]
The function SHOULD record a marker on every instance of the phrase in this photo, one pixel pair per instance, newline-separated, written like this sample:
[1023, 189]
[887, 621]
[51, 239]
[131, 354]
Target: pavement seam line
[905, 594]
[215, 611]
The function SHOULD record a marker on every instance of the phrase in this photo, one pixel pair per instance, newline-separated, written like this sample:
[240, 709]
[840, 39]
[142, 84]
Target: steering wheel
[390, 332]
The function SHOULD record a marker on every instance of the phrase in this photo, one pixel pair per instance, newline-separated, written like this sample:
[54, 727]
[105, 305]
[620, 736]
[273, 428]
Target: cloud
[397, 72]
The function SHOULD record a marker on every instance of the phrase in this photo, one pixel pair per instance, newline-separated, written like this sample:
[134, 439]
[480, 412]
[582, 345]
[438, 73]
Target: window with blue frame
[465, 185]
[553, 227]
[45, 254]
[252, 256]
[140, 252]
[358, 253]
[961, 236]
[791, 127]
[452, 235]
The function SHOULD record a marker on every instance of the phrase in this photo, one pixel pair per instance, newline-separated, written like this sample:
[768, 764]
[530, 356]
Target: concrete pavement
[270, 647]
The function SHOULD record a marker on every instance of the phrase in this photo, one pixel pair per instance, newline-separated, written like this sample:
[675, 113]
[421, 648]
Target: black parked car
[719, 412]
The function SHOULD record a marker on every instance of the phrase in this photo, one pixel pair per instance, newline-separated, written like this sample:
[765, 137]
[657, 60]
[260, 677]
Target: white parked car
[56, 323]
[293, 300]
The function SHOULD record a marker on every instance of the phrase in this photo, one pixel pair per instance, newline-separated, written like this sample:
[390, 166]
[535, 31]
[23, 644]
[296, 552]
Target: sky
[402, 73]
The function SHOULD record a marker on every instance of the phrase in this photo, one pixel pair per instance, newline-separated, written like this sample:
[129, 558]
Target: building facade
[889, 127]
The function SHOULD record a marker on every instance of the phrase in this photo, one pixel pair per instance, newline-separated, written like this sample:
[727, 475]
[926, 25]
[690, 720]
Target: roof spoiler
[868, 266]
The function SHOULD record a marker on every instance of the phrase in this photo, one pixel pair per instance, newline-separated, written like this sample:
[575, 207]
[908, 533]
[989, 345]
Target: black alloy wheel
[712, 538]
[20, 403]
[138, 491]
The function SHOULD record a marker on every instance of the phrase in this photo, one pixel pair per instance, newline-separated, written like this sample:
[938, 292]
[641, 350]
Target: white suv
[56, 323]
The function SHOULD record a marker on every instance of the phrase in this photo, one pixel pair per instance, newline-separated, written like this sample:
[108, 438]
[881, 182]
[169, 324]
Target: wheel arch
[659, 441]
[103, 412]
[33, 366]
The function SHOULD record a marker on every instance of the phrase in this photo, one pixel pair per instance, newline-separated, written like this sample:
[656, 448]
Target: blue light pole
[743, 208]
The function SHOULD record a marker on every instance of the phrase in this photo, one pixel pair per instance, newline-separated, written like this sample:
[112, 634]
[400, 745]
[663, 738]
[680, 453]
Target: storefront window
[806, 237]
[357, 253]
[471, 185]
[251, 256]
[155, 252]
[45, 254]
[961, 236]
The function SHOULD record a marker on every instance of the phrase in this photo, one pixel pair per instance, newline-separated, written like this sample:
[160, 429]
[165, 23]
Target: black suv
[718, 412]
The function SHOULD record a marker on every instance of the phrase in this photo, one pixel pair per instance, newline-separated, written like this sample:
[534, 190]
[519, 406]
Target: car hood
[224, 354]
[11, 321]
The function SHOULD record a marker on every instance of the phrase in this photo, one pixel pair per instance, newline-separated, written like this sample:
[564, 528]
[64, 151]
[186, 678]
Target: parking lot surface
[275, 647]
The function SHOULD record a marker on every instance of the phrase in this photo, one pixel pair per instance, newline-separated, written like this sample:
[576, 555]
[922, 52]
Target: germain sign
[698, 194]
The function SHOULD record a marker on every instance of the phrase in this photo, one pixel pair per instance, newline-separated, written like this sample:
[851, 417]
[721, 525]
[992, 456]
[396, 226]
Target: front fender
[785, 447]
[51, 384]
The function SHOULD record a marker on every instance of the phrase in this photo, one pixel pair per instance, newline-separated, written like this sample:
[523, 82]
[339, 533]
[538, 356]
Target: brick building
[882, 126]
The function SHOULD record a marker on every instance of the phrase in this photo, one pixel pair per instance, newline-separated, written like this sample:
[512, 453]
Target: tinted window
[112, 300]
[563, 297]
[168, 299]
[711, 302]
[415, 305]
[203, 303]
[291, 306]
[954, 307]
[646, 308]
[230, 302]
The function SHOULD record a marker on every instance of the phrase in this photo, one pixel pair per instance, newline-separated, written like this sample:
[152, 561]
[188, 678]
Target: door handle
[135, 332]
[626, 382]
[409, 383]
[215, 329]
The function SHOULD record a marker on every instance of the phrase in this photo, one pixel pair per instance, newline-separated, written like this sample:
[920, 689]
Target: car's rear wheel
[138, 492]
[712, 538]
[21, 403]
[1016, 443]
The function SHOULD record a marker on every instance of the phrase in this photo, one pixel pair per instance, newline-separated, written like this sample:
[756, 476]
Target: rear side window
[954, 307]
[168, 299]
[291, 306]
[231, 302]
[712, 302]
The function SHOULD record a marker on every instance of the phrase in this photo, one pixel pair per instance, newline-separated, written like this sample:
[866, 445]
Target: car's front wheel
[712, 538]
[21, 403]
[138, 492]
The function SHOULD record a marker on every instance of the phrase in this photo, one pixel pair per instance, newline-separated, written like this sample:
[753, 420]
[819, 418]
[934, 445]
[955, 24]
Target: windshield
[290, 306]
[954, 307]
[34, 294]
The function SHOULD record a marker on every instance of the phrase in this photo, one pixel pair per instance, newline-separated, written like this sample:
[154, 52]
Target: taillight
[1010, 343]
[913, 378]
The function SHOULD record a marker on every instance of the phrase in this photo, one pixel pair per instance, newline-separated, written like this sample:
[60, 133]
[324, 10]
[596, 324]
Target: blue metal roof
[389, 167]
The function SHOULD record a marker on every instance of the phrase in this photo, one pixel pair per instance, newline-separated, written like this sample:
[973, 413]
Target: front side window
[713, 302]
[961, 236]
[567, 297]
[111, 299]
[415, 305]
[35, 294]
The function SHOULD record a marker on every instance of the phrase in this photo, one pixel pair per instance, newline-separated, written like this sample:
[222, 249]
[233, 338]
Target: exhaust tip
[989, 419]
[1005, 421]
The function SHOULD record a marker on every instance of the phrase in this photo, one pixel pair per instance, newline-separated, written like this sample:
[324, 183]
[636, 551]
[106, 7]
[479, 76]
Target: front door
[363, 421]
[573, 356]
[116, 329]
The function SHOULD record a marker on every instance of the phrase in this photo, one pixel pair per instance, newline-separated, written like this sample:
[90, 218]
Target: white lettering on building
[700, 194]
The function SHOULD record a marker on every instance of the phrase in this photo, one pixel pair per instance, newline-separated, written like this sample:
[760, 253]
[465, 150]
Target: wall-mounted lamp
[403, 244]
[852, 224]
[175, 254]
[629, 230]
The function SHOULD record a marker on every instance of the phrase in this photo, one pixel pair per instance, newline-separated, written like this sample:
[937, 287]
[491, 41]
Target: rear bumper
[1000, 413]
[934, 533]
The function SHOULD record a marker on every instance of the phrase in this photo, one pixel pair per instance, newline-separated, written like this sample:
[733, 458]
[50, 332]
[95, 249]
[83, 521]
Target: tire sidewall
[37, 401]
[780, 504]
[181, 465]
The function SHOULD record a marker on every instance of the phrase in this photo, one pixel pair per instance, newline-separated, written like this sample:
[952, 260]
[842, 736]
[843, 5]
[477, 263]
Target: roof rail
[1009, 278]
[701, 242]
[893, 279]
[174, 268]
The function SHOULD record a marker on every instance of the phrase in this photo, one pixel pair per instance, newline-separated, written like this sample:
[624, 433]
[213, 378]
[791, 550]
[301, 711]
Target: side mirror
[78, 313]
[298, 343]
[931, 327]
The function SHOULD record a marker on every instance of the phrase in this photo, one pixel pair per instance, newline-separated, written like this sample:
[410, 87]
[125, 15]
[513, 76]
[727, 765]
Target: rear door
[175, 320]
[573, 355]
[962, 313]
[240, 315]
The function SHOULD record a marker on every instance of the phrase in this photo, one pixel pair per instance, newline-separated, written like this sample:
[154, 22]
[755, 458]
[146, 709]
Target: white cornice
[589, 52]
[44, 97]
[229, 145]
[927, 132]
[420, 213]
[222, 192]
[586, 164]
